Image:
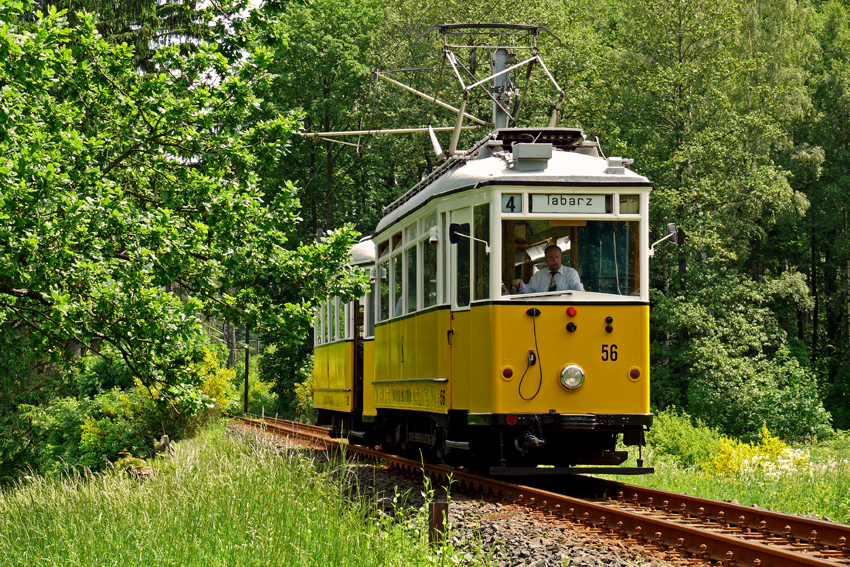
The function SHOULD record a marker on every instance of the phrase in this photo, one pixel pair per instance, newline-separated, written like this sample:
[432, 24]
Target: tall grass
[821, 488]
[219, 502]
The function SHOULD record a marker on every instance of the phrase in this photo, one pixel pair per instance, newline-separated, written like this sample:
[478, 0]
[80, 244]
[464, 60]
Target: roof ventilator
[617, 165]
[530, 157]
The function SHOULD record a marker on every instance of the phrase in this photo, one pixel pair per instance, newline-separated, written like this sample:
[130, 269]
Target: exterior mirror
[672, 233]
[454, 231]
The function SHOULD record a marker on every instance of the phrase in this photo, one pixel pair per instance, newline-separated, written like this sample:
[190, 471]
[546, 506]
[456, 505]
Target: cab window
[604, 254]
[462, 273]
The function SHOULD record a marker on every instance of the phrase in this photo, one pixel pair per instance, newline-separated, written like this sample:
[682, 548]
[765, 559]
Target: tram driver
[557, 278]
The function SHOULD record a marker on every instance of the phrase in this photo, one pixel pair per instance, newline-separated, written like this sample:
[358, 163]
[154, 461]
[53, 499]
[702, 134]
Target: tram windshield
[596, 256]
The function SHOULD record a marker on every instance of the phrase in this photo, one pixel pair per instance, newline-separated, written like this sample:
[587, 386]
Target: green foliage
[98, 374]
[89, 431]
[262, 396]
[111, 427]
[217, 385]
[130, 204]
[739, 394]
[810, 479]
[128, 462]
[286, 366]
[676, 436]
[69, 433]
[304, 394]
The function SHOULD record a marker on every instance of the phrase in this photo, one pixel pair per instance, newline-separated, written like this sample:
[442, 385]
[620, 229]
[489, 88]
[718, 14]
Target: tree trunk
[229, 332]
[329, 195]
[816, 297]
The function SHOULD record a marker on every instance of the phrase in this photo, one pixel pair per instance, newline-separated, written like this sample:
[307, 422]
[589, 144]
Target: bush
[89, 431]
[770, 454]
[217, 387]
[741, 394]
[283, 366]
[96, 375]
[305, 411]
[110, 427]
[681, 439]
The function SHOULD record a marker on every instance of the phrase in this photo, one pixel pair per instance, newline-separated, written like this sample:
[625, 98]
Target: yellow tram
[470, 347]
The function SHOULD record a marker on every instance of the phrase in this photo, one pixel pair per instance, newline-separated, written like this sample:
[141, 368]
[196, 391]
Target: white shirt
[565, 278]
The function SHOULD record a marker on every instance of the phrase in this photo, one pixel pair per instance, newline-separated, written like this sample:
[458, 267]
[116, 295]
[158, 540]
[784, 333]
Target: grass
[818, 484]
[220, 501]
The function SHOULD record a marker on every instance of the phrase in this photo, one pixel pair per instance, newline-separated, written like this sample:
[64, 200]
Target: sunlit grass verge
[812, 480]
[220, 502]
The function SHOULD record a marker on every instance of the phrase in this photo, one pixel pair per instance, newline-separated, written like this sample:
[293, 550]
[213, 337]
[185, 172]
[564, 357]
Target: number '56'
[609, 352]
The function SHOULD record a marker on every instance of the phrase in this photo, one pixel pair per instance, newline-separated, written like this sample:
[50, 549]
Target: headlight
[572, 377]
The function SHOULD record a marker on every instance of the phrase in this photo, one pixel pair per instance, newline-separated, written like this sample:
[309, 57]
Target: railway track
[687, 529]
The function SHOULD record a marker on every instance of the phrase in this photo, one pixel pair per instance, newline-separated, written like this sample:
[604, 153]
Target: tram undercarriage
[504, 445]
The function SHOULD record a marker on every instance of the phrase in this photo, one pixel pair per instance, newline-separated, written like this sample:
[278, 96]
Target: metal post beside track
[438, 513]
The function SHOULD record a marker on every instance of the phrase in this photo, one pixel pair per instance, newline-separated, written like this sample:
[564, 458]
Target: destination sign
[579, 204]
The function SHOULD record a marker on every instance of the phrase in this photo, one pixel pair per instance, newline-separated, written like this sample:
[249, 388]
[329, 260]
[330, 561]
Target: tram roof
[363, 253]
[492, 164]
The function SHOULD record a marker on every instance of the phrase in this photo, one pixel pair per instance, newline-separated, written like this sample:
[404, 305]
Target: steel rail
[748, 520]
[700, 539]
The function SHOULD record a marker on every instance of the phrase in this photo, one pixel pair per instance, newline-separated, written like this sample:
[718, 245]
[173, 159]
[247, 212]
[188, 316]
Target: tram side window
[428, 280]
[397, 298]
[329, 321]
[480, 258]
[369, 315]
[429, 273]
[340, 313]
[383, 280]
[462, 275]
[317, 327]
[411, 279]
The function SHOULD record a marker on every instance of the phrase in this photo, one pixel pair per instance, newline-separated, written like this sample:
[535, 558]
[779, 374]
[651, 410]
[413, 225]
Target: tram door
[357, 309]
[460, 290]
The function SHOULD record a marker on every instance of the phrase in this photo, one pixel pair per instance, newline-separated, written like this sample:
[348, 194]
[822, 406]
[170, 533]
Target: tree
[827, 220]
[130, 202]
[703, 123]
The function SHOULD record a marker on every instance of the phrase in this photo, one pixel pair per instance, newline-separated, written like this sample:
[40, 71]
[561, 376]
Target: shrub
[741, 394]
[305, 411]
[217, 387]
[110, 427]
[96, 374]
[92, 430]
[770, 454]
[682, 439]
[282, 366]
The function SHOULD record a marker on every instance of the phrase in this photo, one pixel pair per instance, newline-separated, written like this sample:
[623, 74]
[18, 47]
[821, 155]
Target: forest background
[157, 202]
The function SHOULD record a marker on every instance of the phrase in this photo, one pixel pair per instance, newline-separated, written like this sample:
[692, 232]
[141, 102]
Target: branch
[23, 292]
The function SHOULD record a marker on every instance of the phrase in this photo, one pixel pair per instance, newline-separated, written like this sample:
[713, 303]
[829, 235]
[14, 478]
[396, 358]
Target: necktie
[552, 285]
